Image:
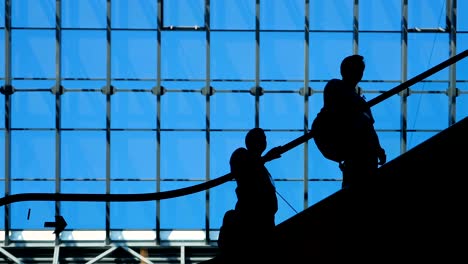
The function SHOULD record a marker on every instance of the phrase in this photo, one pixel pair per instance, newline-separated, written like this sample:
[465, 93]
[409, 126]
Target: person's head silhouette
[352, 69]
[255, 141]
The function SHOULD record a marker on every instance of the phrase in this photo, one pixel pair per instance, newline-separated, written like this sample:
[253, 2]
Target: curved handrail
[217, 181]
[132, 197]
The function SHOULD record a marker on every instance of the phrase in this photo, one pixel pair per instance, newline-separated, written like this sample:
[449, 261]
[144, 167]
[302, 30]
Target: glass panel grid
[114, 143]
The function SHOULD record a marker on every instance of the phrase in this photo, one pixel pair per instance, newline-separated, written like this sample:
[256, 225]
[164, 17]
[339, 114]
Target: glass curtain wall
[124, 97]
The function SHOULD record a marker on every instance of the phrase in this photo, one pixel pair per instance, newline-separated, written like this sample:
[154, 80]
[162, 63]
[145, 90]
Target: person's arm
[272, 154]
[381, 155]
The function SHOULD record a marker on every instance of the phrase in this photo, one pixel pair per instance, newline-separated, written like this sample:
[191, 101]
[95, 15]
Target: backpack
[331, 136]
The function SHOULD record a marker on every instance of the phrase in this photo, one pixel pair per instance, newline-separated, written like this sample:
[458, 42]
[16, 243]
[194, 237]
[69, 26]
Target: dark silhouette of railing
[139, 197]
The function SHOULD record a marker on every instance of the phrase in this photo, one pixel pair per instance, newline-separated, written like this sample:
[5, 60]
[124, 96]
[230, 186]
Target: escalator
[414, 211]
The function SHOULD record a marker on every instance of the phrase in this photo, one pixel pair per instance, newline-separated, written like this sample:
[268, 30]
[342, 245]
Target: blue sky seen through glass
[183, 113]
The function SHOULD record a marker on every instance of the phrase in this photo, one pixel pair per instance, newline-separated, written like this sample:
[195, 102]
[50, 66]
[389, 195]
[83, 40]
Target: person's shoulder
[334, 83]
[240, 151]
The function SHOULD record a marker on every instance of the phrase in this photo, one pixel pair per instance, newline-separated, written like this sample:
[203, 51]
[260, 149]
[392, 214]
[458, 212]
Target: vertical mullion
[452, 89]
[58, 94]
[7, 116]
[356, 27]
[404, 76]
[257, 62]
[306, 104]
[158, 121]
[108, 115]
[207, 119]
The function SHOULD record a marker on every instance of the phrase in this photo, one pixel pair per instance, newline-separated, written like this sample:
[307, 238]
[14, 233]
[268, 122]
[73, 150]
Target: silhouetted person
[248, 229]
[343, 101]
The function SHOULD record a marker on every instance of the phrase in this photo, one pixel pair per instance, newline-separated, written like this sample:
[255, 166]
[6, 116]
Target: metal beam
[10, 256]
[140, 257]
[56, 255]
[182, 254]
[105, 253]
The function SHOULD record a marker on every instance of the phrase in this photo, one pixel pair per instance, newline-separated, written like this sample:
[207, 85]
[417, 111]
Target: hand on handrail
[272, 154]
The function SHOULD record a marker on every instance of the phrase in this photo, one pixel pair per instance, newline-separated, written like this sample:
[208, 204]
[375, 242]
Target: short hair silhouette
[255, 140]
[352, 67]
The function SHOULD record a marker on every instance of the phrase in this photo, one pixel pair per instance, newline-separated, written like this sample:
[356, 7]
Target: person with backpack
[247, 230]
[344, 128]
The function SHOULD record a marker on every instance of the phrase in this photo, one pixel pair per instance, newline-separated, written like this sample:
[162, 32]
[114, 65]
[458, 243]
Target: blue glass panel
[386, 113]
[281, 110]
[84, 13]
[327, 50]
[320, 167]
[2, 13]
[183, 109]
[33, 54]
[233, 86]
[40, 213]
[222, 198]
[2, 112]
[33, 110]
[134, 54]
[232, 111]
[134, 84]
[275, 63]
[425, 51]
[83, 110]
[44, 85]
[462, 103]
[379, 15]
[232, 14]
[184, 55]
[133, 110]
[390, 141]
[82, 187]
[291, 163]
[133, 155]
[331, 15]
[2, 193]
[31, 186]
[84, 85]
[84, 54]
[282, 14]
[32, 13]
[2, 55]
[223, 144]
[232, 55]
[427, 111]
[462, 65]
[184, 212]
[382, 55]
[77, 214]
[83, 154]
[430, 86]
[183, 155]
[416, 138]
[136, 215]
[2, 162]
[135, 14]
[462, 20]
[290, 197]
[316, 99]
[319, 190]
[426, 13]
[184, 13]
[37, 150]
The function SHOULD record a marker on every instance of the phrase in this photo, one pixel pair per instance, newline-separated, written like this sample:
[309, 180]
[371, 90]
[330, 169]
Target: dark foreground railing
[139, 197]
